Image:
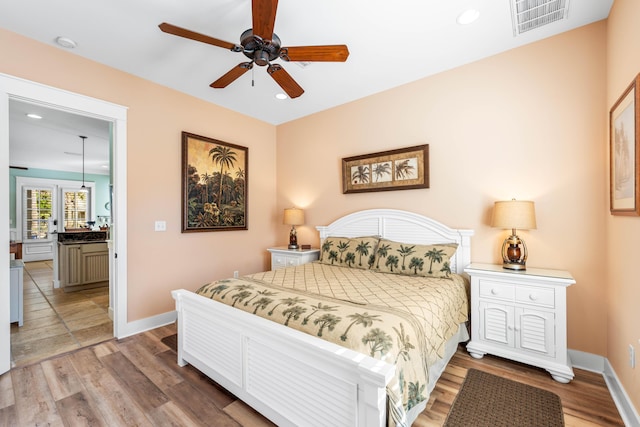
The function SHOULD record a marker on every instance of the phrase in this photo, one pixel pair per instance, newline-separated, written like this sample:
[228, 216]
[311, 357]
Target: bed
[295, 378]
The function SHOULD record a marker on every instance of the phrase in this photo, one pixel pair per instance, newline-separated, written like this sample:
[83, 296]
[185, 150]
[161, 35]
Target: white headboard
[402, 226]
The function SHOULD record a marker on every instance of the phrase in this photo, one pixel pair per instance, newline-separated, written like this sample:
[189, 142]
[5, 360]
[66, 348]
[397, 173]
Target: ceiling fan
[261, 45]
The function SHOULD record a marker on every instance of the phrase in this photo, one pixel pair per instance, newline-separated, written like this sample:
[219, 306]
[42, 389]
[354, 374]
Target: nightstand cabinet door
[282, 257]
[523, 329]
[521, 316]
[496, 324]
[535, 331]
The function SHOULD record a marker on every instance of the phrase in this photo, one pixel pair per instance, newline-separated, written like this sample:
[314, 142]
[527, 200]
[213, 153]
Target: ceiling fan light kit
[262, 46]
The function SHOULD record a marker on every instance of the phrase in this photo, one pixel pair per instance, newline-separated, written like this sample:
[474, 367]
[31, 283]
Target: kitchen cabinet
[16, 293]
[83, 265]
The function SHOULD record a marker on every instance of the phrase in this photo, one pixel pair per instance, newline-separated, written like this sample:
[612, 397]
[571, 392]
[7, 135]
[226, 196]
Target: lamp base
[513, 266]
[514, 253]
[294, 247]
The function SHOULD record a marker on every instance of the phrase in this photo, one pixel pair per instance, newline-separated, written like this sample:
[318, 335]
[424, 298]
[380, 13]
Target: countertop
[79, 237]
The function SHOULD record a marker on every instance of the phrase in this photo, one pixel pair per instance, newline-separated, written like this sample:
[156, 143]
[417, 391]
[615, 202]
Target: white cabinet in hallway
[17, 291]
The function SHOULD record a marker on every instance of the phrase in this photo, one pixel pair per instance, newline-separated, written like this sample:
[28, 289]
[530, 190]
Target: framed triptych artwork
[401, 169]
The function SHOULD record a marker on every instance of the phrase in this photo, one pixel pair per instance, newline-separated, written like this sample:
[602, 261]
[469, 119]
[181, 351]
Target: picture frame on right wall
[624, 146]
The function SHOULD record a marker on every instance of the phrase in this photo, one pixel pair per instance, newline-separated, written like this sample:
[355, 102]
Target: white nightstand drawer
[497, 290]
[535, 296]
[282, 257]
[283, 261]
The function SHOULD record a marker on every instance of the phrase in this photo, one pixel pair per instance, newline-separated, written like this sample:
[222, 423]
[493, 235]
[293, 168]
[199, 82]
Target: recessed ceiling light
[34, 116]
[66, 42]
[468, 16]
[281, 96]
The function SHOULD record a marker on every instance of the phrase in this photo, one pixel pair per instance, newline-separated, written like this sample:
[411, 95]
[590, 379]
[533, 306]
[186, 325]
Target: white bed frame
[290, 377]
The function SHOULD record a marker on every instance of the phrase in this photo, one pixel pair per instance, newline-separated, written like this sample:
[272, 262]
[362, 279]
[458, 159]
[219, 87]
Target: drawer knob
[494, 291]
[533, 297]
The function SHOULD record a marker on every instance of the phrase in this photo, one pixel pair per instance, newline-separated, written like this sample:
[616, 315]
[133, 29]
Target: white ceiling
[391, 42]
[53, 142]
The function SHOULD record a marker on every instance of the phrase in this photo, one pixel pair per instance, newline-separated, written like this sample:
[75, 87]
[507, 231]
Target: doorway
[12, 88]
[54, 320]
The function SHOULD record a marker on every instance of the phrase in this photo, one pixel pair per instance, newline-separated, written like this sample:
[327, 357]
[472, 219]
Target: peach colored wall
[161, 261]
[623, 64]
[527, 124]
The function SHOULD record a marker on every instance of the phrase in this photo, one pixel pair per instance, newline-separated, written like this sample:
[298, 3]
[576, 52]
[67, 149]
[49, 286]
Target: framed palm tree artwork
[214, 184]
[400, 169]
[624, 144]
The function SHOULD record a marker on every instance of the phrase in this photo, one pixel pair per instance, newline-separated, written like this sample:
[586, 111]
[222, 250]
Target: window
[75, 208]
[46, 205]
[38, 208]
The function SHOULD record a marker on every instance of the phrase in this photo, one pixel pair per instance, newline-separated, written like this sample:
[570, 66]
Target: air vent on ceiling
[528, 15]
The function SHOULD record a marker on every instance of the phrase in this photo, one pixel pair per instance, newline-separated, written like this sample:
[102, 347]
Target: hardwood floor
[136, 381]
[56, 322]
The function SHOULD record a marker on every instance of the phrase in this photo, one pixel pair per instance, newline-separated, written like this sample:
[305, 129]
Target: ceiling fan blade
[264, 18]
[232, 75]
[337, 53]
[181, 32]
[285, 81]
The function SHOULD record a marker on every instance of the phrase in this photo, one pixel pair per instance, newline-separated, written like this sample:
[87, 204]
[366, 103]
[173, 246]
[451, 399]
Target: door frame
[35, 93]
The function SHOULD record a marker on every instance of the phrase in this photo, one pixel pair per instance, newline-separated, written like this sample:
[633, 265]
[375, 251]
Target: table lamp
[293, 217]
[514, 214]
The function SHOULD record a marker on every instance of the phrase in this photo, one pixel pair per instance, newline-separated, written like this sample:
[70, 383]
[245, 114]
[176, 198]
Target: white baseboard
[620, 397]
[587, 361]
[601, 365]
[148, 323]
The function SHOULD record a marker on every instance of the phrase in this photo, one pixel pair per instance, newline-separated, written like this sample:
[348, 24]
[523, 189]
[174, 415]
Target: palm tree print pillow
[355, 252]
[414, 260]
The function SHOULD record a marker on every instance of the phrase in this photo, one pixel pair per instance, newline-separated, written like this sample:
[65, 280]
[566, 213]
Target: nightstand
[522, 316]
[282, 257]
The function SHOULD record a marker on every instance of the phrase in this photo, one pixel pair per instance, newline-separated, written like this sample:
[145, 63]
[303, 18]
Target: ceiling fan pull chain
[252, 74]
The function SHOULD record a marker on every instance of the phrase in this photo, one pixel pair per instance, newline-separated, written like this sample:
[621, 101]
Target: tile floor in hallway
[56, 321]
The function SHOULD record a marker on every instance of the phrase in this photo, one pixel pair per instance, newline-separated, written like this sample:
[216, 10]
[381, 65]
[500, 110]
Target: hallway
[54, 321]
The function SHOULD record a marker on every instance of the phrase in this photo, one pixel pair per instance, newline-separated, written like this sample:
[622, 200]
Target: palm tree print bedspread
[345, 306]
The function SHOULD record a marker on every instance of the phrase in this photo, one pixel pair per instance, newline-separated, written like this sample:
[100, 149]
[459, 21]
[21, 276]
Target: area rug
[486, 400]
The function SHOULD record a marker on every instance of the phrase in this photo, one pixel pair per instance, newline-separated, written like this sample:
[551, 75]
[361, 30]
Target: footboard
[290, 377]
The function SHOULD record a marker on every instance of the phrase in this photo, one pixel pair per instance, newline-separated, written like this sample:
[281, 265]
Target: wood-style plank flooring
[55, 321]
[136, 381]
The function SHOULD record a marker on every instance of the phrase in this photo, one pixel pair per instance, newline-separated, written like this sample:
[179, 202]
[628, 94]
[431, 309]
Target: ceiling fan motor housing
[259, 50]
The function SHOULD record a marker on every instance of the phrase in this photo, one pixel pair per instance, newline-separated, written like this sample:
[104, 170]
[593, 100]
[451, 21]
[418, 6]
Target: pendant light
[83, 138]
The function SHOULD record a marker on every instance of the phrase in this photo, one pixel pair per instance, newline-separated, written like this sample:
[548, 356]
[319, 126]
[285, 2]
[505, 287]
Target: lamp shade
[293, 216]
[514, 214]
